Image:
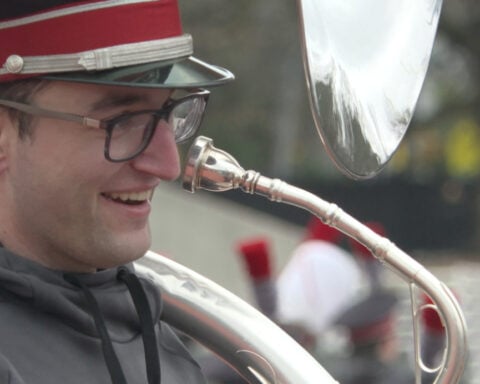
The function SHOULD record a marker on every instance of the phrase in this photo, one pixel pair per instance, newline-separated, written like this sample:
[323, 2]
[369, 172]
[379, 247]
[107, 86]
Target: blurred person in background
[319, 280]
[258, 262]
[373, 354]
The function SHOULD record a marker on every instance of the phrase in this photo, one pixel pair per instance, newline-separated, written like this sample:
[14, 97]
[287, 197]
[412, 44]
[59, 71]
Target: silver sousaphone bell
[365, 63]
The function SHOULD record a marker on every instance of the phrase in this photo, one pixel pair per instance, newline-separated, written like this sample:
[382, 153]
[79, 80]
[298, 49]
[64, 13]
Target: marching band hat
[256, 256]
[319, 281]
[113, 42]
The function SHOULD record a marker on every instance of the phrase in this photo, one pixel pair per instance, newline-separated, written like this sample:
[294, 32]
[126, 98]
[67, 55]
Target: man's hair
[21, 91]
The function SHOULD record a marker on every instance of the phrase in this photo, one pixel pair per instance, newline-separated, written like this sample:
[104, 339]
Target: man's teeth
[132, 196]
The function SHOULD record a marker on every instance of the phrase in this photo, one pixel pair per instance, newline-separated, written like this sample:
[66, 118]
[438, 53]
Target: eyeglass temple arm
[37, 111]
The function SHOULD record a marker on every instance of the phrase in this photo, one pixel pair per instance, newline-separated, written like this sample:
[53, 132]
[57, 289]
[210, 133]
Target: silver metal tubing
[215, 170]
[243, 337]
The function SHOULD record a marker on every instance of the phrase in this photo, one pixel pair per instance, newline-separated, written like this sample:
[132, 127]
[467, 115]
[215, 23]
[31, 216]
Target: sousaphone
[365, 62]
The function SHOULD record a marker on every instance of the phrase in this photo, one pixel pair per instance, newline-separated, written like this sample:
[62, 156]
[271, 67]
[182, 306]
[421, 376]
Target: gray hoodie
[99, 328]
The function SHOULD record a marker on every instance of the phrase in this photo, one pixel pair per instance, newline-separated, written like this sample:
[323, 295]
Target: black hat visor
[187, 72]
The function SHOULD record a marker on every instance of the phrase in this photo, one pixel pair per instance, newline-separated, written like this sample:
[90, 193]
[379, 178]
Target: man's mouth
[130, 198]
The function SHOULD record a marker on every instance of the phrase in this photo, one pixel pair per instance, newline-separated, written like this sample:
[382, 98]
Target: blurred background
[427, 197]
[263, 118]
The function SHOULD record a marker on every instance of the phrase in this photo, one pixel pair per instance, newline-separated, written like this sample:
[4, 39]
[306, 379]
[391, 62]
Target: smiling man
[94, 98]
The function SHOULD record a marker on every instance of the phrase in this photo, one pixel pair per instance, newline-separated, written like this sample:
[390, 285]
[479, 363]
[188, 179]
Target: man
[94, 97]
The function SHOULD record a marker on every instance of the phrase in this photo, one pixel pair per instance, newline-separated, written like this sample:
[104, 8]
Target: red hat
[256, 255]
[116, 42]
[317, 230]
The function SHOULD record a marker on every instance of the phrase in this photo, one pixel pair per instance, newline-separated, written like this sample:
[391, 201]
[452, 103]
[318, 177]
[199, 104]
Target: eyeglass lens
[131, 134]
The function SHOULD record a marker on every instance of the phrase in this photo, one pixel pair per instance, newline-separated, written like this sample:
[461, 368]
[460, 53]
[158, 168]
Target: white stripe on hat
[102, 58]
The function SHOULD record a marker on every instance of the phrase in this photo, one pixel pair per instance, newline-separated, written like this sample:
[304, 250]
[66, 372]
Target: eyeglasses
[128, 134]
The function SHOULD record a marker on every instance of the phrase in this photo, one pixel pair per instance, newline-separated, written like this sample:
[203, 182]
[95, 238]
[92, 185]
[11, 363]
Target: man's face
[63, 203]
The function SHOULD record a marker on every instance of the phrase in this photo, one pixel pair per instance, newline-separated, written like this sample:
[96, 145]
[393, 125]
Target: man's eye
[123, 123]
[133, 121]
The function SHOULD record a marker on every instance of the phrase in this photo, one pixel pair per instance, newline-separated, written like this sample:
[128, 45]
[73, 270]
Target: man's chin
[132, 253]
[125, 252]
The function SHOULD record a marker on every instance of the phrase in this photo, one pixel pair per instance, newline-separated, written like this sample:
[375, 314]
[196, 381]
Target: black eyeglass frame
[108, 124]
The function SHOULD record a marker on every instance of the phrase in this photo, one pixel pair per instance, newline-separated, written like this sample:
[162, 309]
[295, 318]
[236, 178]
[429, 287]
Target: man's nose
[161, 157]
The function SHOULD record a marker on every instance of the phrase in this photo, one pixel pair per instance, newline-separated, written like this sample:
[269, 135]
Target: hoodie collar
[47, 291]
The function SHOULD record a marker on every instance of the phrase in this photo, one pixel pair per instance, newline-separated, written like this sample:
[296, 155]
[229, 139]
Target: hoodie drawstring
[145, 315]
[111, 359]
[146, 324]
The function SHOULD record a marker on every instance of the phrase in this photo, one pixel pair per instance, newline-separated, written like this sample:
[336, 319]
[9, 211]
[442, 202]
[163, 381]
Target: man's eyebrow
[114, 101]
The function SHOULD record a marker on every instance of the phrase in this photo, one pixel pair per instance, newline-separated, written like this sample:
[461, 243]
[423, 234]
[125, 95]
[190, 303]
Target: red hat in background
[359, 249]
[317, 230]
[256, 255]
[131, 42]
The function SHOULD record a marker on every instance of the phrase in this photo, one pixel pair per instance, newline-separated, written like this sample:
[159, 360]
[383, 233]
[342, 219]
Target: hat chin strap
[102, 58]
